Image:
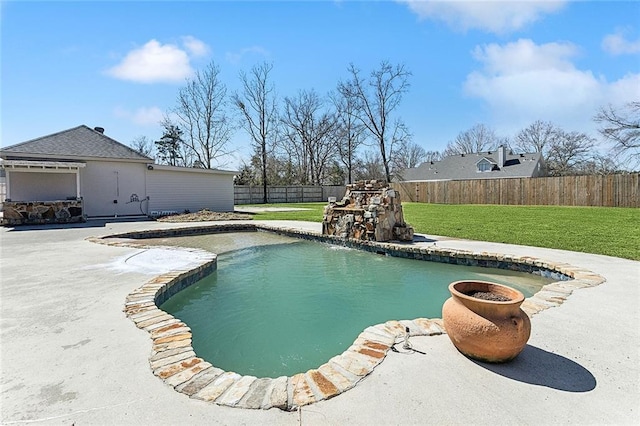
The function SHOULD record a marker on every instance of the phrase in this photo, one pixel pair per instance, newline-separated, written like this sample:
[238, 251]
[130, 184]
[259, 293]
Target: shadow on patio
[539, 367]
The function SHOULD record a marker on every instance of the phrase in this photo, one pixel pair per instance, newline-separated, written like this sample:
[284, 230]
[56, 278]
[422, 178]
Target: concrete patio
[70, 356]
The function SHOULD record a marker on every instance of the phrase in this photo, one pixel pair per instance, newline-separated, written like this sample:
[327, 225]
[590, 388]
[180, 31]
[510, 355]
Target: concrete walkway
[70, 356]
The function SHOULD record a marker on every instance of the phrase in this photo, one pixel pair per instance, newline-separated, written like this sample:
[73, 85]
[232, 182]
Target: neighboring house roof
[467, 166]
[80, 142]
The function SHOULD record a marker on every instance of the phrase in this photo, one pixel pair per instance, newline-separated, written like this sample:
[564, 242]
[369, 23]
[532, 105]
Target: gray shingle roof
[462, 167]
[80, 142]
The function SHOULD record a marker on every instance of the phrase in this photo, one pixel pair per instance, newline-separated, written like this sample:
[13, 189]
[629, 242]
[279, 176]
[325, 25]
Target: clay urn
[484, 320]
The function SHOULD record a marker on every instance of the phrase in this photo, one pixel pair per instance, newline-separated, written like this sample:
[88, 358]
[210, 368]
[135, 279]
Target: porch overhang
[40, 166]
[36, 166]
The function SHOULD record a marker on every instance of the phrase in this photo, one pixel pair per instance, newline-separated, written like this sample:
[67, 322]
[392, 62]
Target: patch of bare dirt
[487, 295]
[205, 216]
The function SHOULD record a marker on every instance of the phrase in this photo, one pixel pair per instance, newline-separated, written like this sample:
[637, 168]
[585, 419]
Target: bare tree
[622, 127]
[564, 153]
[257, 104]
[200, 111]
[568, 152]
[370, 167]
[407, 156]
[376, 99]
[143, 145]
[479, 138]
[599, 164]
[432, 156]
[537, 137]
[350, 130]
[310, 133]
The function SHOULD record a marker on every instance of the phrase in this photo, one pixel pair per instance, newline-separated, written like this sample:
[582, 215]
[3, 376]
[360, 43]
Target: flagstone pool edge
[174, 361]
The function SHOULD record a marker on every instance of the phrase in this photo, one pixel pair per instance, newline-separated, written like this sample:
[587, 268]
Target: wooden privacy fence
[620, 190]
[245, 194]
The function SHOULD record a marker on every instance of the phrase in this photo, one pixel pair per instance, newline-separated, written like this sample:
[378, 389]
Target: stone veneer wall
[370, 210]
[39, 212]
[174, 360]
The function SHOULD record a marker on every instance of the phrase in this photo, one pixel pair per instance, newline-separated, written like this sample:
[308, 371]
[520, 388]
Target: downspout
[148, 168]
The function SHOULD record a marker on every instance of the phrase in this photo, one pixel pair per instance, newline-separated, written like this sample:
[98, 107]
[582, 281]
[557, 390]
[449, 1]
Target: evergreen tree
[169, 146]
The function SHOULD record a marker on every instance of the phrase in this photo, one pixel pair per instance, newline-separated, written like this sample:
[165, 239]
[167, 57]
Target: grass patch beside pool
[599, 230]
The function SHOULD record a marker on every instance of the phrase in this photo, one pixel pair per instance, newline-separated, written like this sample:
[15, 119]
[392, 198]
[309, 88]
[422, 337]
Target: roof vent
[99, 129]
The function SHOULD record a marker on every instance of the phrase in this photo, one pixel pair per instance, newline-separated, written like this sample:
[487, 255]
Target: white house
[81, 172]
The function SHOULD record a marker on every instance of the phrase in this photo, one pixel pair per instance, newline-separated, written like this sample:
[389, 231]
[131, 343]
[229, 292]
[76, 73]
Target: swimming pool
[173, 360]
[279, 305]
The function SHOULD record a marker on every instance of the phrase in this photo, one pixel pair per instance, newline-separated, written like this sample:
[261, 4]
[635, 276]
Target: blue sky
[505, 64]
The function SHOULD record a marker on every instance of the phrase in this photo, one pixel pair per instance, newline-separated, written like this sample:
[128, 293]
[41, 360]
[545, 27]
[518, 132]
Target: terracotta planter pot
[486, 330]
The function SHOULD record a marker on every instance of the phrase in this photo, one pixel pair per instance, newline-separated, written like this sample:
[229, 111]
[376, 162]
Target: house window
[484, 166]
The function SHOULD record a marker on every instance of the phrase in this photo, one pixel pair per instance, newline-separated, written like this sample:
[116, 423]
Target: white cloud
[617, 44]
[525, 55]
[498, 16]
[145, 116]
[236, 57]
[156, 62]
[625, 90]
[521, 82]
[194, 46]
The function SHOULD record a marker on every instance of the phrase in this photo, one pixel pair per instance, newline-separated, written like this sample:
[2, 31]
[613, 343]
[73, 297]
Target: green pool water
[284, 305]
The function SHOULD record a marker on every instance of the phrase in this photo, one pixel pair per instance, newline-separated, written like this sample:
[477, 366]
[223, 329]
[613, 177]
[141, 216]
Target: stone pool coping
[175, 362]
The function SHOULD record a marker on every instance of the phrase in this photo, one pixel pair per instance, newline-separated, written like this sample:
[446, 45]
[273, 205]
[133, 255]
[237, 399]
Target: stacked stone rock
[39, 212]
[370, 210]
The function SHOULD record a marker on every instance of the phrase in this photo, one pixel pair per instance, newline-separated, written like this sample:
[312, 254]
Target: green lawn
[600, 230]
